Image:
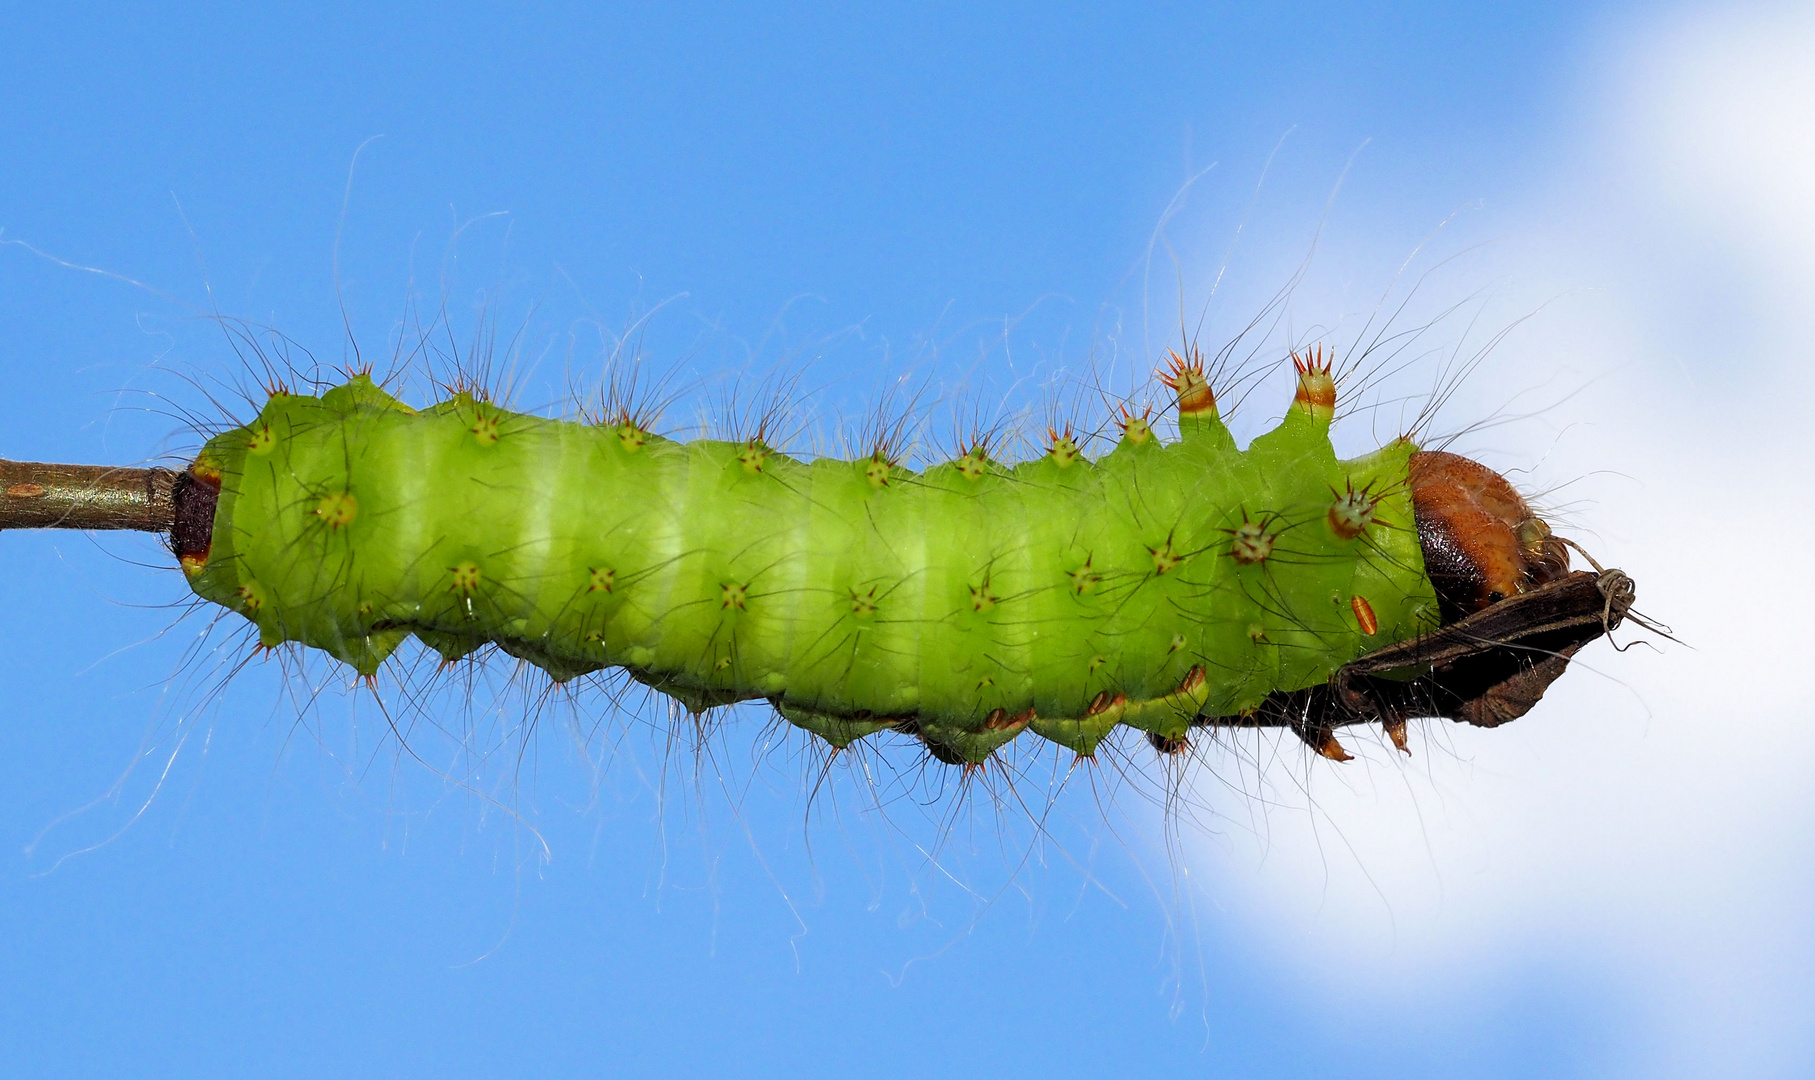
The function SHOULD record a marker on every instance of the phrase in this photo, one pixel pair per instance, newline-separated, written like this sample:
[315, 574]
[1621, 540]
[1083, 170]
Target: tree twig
[35, 495]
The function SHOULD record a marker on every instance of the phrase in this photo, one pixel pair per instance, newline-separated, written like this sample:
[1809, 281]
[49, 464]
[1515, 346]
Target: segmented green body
[970, 601]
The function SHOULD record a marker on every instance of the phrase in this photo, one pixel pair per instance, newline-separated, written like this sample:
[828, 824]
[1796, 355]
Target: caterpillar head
[1482, 542]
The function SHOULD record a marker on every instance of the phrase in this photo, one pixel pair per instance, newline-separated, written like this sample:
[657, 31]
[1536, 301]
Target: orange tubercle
[1136, 429]
[1316, 386]
[1062, 447]
[1184, 376]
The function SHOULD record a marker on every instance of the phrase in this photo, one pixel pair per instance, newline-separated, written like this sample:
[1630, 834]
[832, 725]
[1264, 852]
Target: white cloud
[1720, 116]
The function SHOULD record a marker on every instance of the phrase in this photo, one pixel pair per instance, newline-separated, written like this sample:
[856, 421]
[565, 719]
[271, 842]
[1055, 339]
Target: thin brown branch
[35, 495]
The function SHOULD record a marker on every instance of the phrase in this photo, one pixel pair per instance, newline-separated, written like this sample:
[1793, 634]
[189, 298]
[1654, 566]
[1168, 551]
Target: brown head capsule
[1481, 542]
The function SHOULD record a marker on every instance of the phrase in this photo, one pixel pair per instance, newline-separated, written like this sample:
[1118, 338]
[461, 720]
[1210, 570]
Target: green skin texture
[969, 602]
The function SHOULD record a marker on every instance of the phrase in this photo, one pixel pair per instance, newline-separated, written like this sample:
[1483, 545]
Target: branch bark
[35, 495]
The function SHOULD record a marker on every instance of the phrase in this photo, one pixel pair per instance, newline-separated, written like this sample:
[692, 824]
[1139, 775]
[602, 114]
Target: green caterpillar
[967, 603]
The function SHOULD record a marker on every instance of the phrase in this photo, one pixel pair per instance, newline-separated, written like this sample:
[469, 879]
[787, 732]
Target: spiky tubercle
[967, 603]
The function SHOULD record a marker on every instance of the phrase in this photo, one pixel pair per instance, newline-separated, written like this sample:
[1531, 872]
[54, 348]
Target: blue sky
[196, 882]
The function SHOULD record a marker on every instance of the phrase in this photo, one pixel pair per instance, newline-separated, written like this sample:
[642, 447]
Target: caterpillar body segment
[1156, 586]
